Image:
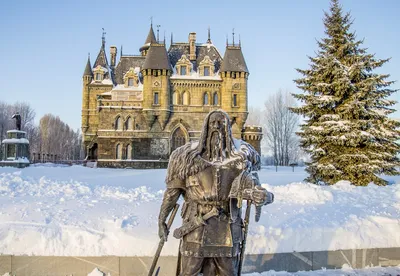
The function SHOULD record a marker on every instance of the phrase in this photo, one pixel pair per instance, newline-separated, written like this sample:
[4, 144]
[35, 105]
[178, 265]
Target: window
[128, 123]
[118, 151]
[183, 70]
[235, 100]
[175, 98]
[205, 99]
[206, 70]
[215, 98]
[130, 82]
[155, 100]
[128, 153]
[98, 76]
[118, 123]
[185, 98]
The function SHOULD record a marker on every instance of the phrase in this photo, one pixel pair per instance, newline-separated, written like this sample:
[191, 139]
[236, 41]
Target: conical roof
[88, 69]
[101, 58]
[151, 38]
[234, 60]
[157, 58]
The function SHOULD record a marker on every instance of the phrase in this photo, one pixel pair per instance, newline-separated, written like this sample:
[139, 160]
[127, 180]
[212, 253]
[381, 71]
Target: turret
[234, 74]
[88, 73]
[253, 135]
[87, 79]
[156, 71]
[151, 38]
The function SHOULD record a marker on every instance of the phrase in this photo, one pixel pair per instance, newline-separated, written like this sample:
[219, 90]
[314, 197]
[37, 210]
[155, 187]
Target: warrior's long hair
[186, 160]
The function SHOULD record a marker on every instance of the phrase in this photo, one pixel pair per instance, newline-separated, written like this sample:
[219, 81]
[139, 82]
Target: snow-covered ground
[64, 211]
[374, 271]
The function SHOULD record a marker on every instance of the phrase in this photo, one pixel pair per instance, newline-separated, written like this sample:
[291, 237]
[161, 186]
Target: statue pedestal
[15, 150]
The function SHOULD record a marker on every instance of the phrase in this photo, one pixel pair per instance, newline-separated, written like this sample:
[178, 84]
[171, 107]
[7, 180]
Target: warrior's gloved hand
[162, 230]
[261, 196]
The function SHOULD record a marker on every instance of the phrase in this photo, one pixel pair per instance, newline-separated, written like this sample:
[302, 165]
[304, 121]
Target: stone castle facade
[139, 109]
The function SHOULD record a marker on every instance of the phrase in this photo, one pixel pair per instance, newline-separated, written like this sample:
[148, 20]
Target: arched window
[178, 139]
[118, 123]
[185, 98]
[128, 153]
[215, 98]
[118, 151]
[128, 123]
[205, 99]
[175, 98]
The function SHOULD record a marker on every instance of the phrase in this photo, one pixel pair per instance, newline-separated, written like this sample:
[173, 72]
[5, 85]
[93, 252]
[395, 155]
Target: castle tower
[87, 79]
[253, 135]
[234, 74]
[156, 73]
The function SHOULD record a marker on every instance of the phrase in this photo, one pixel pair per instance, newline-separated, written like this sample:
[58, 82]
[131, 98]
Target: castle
[137, 111]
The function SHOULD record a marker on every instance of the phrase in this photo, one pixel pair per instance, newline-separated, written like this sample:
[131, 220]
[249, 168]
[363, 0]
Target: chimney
[192, 46]
[113, 54]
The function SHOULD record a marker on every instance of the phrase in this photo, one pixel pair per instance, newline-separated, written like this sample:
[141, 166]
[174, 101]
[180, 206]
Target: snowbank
[78, 211]
[346, 271]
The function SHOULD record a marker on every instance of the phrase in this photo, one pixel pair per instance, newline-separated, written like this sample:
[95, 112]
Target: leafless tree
[279, 127]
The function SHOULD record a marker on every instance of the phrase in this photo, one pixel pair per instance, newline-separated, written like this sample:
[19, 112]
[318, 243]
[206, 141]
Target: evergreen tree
[347, 131]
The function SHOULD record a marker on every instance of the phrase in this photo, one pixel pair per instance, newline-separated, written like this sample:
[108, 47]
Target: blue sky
[44, 44]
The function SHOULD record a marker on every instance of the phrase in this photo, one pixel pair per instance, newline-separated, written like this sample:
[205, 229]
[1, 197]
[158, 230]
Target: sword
[162, 241]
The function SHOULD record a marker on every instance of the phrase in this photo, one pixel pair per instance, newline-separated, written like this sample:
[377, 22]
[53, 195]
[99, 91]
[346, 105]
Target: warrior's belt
[188, 227]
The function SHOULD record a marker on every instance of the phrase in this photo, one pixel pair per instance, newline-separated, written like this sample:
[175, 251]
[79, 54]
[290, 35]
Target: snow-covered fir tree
[347, 130]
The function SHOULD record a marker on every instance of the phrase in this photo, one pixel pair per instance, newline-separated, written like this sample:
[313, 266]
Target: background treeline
[51, 136]
[280, 144]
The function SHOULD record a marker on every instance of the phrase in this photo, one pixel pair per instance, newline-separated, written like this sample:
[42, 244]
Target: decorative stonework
[99, 73]
[183, 61]
[131, 78]
[204, 64]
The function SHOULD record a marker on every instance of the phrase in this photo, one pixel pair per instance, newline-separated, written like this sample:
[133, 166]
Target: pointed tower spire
[88, 69]
[240, 42]
[103, 38]
[226, 40]
[209, 36]
[151, 38]
[121, 51]
[158, 33]
[164, 37]
[102, 57]
[172, 38]
[233, 36]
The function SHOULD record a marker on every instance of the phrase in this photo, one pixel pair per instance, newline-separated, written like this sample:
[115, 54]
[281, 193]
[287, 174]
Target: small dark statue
[214, 176]
[17, 118]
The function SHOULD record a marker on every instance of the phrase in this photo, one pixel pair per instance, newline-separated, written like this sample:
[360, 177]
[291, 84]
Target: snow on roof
[15, 141]
[15, 131]
[196, 76]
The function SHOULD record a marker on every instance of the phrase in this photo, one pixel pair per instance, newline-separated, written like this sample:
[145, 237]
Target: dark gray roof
[151, 38]
[157, 58]
[101, 58]
[88, 69]
[234, 60]
[124, 64]
[176, 51]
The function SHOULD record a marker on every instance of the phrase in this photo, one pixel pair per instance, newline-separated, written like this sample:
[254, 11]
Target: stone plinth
[15, 149]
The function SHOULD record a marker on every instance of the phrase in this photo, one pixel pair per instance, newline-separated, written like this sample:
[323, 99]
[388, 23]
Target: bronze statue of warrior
[213, 175]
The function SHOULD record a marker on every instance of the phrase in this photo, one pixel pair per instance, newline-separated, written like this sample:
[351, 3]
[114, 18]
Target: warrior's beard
[216, 146]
